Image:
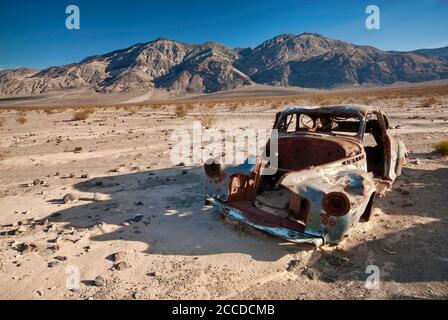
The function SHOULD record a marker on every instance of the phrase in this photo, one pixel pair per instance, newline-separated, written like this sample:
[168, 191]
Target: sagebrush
[442, 147]
[82, 114]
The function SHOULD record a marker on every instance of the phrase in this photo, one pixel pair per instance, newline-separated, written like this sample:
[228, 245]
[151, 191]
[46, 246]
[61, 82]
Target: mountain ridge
[305, 60]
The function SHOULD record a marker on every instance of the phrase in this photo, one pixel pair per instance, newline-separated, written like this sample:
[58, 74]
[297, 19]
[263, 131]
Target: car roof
[361, 110]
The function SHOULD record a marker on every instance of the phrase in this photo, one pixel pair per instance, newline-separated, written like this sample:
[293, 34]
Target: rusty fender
[315, 183]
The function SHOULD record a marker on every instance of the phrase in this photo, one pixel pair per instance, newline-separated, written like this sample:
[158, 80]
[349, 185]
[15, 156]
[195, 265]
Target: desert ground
[140, 224]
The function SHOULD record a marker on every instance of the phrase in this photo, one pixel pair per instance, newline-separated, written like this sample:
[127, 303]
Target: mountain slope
[311, 60]
[438, 52]
[306, 60]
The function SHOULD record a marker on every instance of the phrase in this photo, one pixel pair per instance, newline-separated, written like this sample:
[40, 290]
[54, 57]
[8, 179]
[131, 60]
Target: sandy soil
[174, 246]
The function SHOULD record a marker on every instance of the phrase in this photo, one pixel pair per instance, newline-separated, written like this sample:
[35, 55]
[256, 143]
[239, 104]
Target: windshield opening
[347, 124]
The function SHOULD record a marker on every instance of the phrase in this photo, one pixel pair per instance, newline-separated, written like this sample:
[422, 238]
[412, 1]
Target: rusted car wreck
[333, 162]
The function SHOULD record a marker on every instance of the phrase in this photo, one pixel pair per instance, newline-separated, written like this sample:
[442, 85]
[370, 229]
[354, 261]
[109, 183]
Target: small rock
[85, 176]
[151, 274]
[72, 175]
[122, 266]
[99, 281]
[61, 258]
[53, 264]
[37, 182]
[119, 256]
[292, 265]
[54, 247]
[309, 273]
[118, 169]
[70, 197]
[408, 203]
[138, 218]
[414, 161]
[22, 229]
[22, 247]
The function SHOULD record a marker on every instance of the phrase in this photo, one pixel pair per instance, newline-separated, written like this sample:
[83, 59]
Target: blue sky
[33, 33]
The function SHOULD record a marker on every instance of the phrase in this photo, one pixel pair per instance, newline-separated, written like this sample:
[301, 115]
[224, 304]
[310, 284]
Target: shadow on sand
[165, 209]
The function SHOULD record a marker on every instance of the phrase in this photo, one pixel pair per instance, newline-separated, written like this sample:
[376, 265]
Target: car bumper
[284, 233]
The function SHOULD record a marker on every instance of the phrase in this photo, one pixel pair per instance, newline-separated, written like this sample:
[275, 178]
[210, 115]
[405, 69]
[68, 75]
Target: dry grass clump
[208, 119]
[131, 109]
[233, 106]
[21, 118]
[156, 106]
[442, 147]
[53, 111]
[82, 114]
[276, 105]
[182, 110]
[429, 102]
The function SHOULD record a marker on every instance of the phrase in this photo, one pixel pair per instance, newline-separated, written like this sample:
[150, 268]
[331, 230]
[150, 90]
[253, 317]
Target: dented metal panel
[331, 178]
[285, 233]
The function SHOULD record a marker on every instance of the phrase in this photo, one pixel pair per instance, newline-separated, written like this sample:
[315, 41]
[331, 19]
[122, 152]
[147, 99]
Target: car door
[390, 147]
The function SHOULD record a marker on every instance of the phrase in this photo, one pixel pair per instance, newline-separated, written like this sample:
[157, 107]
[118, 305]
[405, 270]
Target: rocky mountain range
[305, 60]
[439, 52]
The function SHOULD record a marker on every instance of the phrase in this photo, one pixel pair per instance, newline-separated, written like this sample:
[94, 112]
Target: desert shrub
[428, 102]
[208, 104]
[21, 118]
[82, 115]
[276, 105]
[54, 111]
[131, 109]
[181, 110]
[208, 119]
[442, 147]
[233, 107]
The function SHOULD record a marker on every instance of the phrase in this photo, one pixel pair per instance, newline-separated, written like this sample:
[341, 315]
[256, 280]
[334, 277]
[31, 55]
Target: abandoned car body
[332, 164]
